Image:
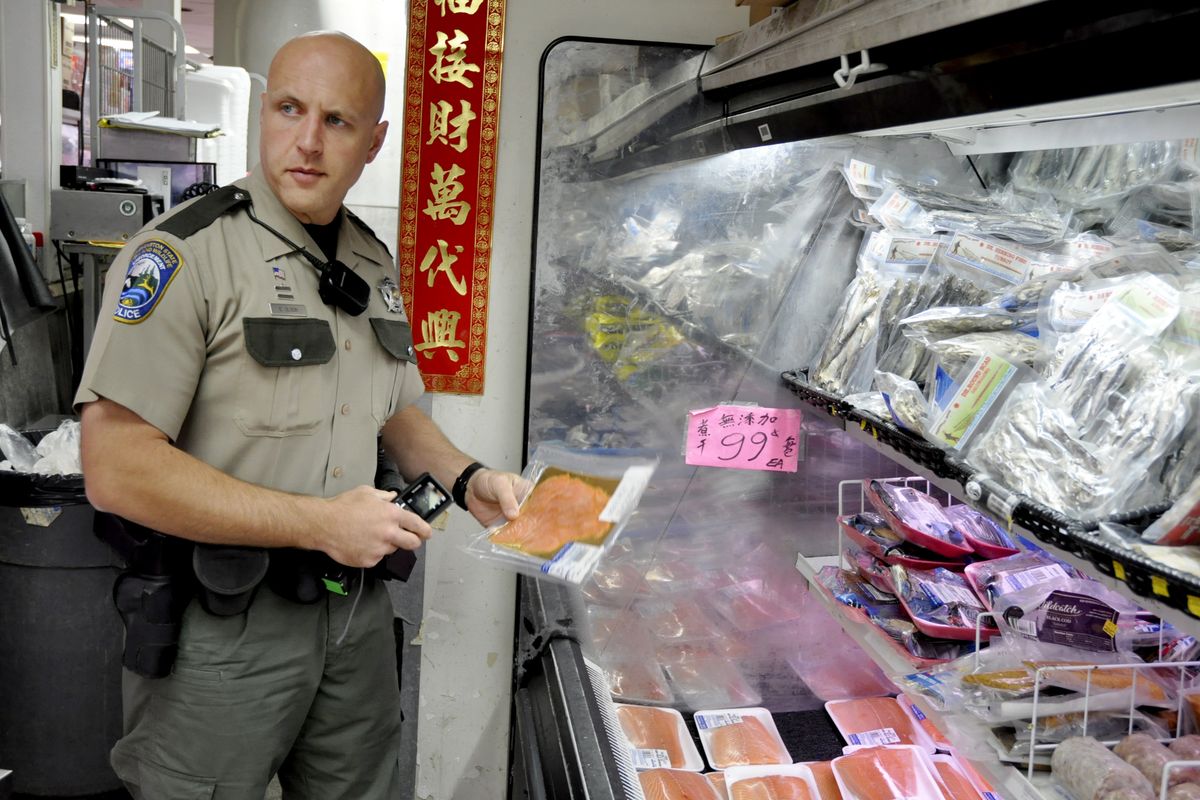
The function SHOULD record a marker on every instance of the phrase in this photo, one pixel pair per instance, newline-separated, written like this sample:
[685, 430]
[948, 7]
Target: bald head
[354, 58]
[321, 122]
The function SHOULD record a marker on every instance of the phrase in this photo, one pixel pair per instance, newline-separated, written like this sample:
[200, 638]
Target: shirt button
[337, 472]
[345, 409]
[347, 344]
[296, 354]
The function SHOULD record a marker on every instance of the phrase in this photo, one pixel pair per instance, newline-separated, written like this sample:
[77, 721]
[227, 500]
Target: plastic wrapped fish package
[906, 404]
[917, 517]
[906, 206]
[981, 532]
[1164, 213]
[1088, 176]
[870, 533]
[999, 577]
[575, 505]
[940, 602]
[719, 287]
[844, 364]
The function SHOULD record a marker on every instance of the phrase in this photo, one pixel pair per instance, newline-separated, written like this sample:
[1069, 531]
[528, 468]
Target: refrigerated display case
[699, 226]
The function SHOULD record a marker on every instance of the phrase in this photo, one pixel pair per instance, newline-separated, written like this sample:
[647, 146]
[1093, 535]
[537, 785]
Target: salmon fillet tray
[574, 505]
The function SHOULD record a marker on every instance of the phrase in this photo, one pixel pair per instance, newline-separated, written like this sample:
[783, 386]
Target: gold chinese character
[443, 128]
[438, 330]
[451, 60]
[446, 189]
[440, 252]
[459, 6]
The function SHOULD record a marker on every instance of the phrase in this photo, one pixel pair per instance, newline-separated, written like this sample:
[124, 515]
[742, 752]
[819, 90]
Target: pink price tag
[744, 437]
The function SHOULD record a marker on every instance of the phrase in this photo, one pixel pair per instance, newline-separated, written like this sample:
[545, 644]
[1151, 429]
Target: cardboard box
[761, 9]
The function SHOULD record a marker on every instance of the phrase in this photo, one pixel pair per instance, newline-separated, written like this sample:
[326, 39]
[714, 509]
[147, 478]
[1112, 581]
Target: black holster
[150, 594]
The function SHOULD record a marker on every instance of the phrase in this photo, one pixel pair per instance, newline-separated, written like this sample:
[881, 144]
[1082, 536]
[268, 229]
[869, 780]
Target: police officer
[233, 397]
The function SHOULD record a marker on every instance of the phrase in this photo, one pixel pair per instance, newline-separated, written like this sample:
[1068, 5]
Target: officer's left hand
[491, 493]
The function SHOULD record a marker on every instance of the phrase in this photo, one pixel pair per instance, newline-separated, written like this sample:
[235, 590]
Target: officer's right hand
[366, 526]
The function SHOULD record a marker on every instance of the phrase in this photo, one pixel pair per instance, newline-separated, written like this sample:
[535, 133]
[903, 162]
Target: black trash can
[60, 640]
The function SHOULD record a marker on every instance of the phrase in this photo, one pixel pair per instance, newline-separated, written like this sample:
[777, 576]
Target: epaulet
[367, 229]
[204, 212]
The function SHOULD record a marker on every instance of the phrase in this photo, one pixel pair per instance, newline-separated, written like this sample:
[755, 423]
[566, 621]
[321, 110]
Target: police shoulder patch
[150, 272]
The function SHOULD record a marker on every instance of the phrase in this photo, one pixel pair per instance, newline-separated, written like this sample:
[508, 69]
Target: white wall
[467, 634]
[29, 138]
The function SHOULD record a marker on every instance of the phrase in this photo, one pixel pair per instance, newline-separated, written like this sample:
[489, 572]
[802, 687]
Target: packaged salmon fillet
[892, 772]
[733, 737]
[717, 779]
[876, 721]
[936, 736]
[790, 782]
[575, 508]
[636, 680]
[658, 737]
[953, 781]
[824, 780]
[676, 784]
[684, 620]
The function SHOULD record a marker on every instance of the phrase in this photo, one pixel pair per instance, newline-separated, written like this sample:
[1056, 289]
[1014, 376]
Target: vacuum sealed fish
[571, 516]
[887, 773]
[1003, 576]
[1069, 617]
[981, 532]
[777, 782]
[871, 533]
[955, 354]
[659, 738]
[917, 517]
[676, 784]
[939, 602]
[851, 590]
[734, 737]
[877, 721]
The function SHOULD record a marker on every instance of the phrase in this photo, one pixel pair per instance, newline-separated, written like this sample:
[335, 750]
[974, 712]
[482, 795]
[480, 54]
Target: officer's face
[320, 123]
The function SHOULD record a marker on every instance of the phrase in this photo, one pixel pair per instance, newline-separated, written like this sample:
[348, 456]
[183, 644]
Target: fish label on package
[628, 493]
[875, 737]
[646, 758]
[574, 562]
[707, 722]
[910, 250]
[951, 594]
[986, 385]
[1150, 303]
[989, 257]
[897, 211]
[1015, 581]
[1072, 309]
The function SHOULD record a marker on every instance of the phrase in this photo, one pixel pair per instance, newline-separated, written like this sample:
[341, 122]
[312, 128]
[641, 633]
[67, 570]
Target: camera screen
[425, 500]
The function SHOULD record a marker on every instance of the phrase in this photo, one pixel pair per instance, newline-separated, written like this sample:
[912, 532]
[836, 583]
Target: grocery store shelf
[1171, 595]
[1007, 780]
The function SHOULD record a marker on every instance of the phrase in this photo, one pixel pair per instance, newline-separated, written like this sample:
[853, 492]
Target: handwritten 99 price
[744, 437]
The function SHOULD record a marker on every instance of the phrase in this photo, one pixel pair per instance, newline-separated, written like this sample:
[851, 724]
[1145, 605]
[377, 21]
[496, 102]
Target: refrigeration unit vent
[613, 732]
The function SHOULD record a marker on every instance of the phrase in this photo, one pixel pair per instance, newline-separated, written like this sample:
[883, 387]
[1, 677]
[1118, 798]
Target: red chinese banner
[451, 118]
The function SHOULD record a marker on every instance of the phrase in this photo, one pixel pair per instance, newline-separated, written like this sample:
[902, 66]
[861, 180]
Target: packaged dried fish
[905, 402]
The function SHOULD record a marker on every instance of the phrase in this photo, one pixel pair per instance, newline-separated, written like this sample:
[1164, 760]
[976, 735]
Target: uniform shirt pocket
[395, 338]
[284, 390]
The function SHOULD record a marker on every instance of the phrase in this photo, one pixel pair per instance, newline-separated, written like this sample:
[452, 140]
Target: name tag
[288, 310]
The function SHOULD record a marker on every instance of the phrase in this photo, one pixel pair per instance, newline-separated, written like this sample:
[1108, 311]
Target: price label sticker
[744, 437]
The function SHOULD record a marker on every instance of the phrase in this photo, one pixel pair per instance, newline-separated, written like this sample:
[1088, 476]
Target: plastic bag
[17, 449]
[939, 602]
[578, 503]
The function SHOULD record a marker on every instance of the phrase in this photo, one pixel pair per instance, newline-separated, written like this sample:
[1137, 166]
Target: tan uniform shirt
[221, 341]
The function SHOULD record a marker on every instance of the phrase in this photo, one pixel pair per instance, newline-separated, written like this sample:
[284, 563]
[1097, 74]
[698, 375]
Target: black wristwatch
[459, 491]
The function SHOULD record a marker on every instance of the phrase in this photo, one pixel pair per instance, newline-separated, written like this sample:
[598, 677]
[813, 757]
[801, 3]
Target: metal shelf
[1006, 779]
[993, 503]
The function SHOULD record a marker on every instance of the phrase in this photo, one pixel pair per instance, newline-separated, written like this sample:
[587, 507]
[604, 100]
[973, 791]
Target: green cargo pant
[270, 691]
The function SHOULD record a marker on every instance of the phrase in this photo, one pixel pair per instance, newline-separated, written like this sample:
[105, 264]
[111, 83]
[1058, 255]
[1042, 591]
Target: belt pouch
[228, 576]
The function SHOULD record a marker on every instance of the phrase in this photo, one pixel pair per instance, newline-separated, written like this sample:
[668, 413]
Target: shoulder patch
[150, 272]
